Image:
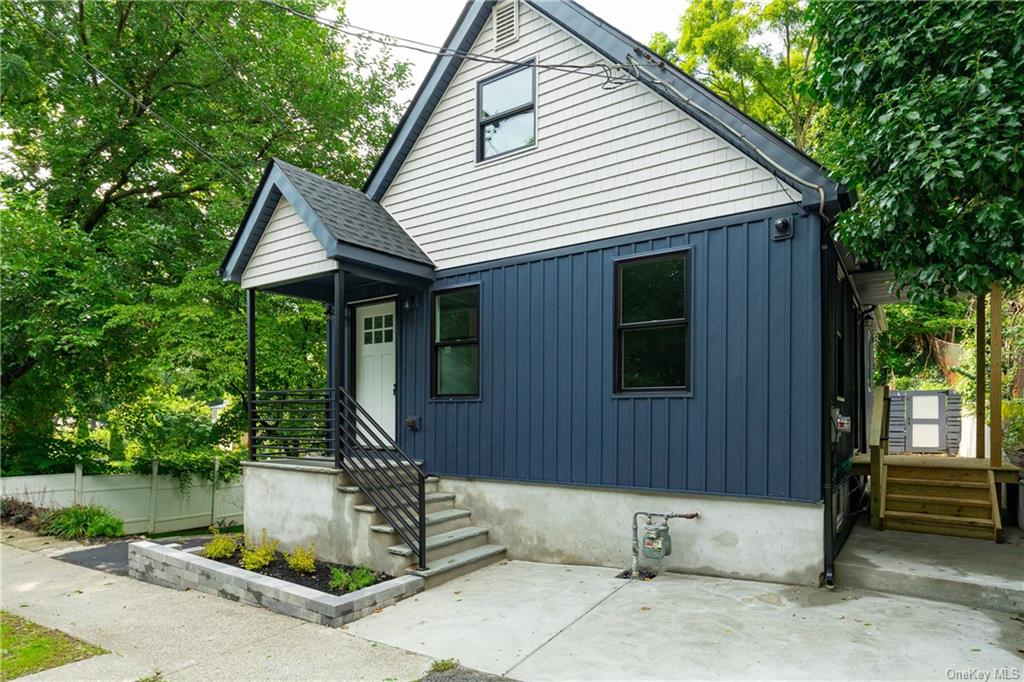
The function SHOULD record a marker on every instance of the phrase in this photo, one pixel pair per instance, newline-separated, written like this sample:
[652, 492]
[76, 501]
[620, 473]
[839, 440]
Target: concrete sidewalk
[545, 622]
[183, 635]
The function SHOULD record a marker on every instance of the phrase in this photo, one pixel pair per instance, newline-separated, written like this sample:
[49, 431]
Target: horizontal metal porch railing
[322, 423]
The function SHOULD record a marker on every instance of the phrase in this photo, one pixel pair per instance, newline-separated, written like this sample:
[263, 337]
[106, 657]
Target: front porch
[326, 467]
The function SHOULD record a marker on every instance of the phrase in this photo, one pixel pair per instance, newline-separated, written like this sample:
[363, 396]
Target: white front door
[375, 362]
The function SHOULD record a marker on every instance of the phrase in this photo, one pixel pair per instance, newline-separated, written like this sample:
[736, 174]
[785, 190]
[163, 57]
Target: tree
[925, 123]
[135, 134]
[757, 56]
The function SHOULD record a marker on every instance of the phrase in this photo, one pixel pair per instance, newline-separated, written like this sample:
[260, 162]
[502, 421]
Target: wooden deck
[1007, 473]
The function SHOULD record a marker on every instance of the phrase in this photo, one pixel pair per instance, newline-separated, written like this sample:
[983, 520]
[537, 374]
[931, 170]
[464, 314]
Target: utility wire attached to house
[613, 75]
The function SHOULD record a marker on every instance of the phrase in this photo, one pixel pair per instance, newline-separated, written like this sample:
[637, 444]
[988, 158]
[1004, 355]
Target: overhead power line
[613, 75]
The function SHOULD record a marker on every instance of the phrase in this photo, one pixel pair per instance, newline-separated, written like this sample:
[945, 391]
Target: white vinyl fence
[147, 504]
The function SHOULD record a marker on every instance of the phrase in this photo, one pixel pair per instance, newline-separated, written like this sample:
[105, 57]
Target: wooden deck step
[938, 483]
[948, 506]
[940, 524]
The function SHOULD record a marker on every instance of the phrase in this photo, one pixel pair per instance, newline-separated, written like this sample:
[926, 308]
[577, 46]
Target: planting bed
[169, 566]
[318, 580]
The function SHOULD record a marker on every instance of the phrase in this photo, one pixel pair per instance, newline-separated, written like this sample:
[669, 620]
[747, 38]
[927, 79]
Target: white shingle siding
[607, 163]
[287, 251]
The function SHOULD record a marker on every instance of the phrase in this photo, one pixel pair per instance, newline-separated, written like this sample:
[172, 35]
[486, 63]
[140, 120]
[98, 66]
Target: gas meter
[657, 541]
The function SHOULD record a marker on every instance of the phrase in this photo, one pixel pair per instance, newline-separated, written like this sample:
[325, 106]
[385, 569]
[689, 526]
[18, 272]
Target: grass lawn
[27, 648]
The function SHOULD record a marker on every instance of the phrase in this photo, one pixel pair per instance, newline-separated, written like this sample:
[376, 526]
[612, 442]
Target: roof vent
[506, 23]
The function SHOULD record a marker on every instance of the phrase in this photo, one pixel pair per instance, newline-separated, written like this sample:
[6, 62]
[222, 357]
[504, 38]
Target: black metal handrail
[392, 481]
[322, 423]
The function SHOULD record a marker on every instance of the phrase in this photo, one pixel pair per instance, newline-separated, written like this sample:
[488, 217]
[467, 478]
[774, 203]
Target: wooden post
[995, 391]
[875, 448]
[979, 379]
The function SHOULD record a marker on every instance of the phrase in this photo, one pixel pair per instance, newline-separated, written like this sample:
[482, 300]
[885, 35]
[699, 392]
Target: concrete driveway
[545, 622]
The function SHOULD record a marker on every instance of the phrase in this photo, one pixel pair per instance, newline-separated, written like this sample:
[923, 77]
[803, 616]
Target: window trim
[686, 321]
[434, 344]
[482, 122]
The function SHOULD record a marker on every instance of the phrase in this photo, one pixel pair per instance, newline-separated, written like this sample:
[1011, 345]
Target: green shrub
[220, 546]
[357, 579]
[254, 557]
[360, 577]
[339, 579]
[302, 560]
[82, 521]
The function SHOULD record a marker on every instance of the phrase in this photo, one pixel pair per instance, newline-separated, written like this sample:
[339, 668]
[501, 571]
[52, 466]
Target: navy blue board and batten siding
[750, 426]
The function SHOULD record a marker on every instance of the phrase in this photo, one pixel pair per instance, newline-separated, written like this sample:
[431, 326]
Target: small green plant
[346, 581]
[302, 560]
[255, 557]
[339, 579]
[82, 521]
[360, 577]
[443, 665]
[220, 546]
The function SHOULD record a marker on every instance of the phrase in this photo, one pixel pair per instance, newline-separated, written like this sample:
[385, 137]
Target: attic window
[506, 112]
[506, 23]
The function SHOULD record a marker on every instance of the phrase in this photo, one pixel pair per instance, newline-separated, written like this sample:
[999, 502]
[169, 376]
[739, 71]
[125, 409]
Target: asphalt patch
[113, 557]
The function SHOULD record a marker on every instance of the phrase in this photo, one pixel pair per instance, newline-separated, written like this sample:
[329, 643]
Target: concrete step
[351, 489]
[435, 502]
[444, 569]
[444, 544]
[438, 522]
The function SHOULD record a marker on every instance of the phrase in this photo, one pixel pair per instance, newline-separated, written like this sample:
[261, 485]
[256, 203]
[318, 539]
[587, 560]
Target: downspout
[828, 350]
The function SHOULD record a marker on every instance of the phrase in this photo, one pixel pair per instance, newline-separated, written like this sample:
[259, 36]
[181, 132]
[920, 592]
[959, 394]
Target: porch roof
[352, 228]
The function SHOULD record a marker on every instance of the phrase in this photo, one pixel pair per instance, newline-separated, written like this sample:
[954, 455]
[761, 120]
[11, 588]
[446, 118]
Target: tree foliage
[757, 56]
[925, 122]
[135, 134]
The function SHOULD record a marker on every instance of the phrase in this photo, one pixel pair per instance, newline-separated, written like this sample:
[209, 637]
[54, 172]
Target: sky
[430, 21]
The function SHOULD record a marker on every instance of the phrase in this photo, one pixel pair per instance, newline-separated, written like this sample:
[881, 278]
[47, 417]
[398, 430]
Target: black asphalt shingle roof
[352, 217]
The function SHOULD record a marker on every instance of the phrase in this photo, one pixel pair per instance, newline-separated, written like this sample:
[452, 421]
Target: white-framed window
[506, 112]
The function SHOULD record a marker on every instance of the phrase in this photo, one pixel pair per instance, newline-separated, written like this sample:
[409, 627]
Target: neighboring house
[572, 294]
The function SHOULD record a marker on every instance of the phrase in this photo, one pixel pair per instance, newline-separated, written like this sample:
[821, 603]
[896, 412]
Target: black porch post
[250, 366]
[336, 362]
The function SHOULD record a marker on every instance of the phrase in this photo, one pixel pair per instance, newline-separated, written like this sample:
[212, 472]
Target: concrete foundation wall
[735, 537]
[301, 505]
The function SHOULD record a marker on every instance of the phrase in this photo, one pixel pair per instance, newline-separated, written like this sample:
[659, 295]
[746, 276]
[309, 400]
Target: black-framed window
[455, 336]
[652, 323]
[506, 112]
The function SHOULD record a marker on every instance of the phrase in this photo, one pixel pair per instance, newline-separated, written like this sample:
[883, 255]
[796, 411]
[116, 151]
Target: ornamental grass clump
[254, 557]
[346, 581]
[302, 560]
[220, 546]
[82, 521]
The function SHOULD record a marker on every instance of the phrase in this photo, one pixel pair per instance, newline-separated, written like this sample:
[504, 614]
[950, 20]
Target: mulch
[318, 580]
